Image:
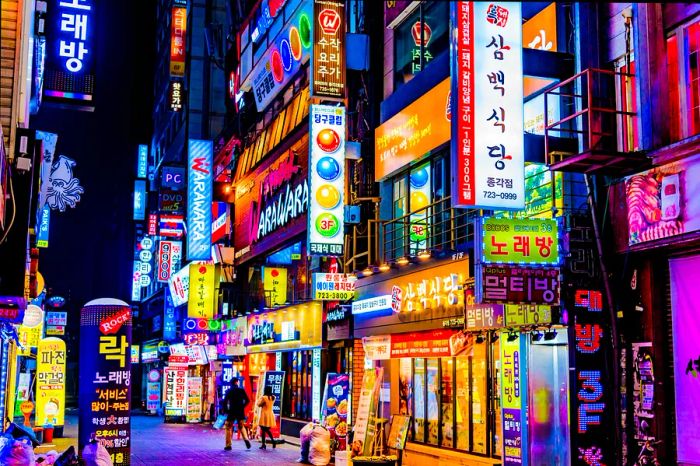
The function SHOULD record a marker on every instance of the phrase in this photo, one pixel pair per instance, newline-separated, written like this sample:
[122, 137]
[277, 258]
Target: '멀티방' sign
[515, 284]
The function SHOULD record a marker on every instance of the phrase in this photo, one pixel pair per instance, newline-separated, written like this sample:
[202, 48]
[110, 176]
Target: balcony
[596, 133]
[437, 230]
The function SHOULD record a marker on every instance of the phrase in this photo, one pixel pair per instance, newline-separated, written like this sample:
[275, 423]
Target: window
[683, 64]
[296, 402]
[419, 39]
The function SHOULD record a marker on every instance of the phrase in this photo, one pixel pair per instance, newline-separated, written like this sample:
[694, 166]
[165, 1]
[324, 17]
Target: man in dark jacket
[235, 402]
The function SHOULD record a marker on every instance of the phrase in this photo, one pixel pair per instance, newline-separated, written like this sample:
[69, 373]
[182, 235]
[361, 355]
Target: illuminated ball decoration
[286, 54]
[328, 168]
[328, 140]
[327, 225]
[295, 43]
[276, 63]
[418, 201]
[305, 31]
[328, 196]
[419, 178]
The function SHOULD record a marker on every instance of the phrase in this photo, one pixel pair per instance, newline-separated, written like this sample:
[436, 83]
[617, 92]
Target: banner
[105, 378]
[200, 155]
[336, 407]
[202, 284]
[50, 382]
[194, 399]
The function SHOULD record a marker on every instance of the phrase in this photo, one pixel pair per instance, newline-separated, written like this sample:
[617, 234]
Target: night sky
[90, 246]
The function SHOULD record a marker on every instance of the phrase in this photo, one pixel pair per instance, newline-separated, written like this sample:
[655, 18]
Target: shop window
[447, 403]
[419, 39]
[478, 398]
[683, 64]
[419, 400]
[297, 400]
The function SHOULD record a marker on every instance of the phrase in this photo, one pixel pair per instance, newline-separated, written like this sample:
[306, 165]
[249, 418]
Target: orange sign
[414, 131]
[540, 31]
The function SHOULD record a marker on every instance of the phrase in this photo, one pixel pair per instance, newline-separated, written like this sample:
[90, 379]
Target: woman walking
[267, 416]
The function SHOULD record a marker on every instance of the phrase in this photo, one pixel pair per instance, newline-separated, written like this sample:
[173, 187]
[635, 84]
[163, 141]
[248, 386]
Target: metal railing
[435, 229]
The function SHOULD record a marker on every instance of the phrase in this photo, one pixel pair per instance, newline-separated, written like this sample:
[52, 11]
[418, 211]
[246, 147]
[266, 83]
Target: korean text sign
[516, 285]
[487, 101]
[51, 381]
[105, 378]
[199, 199]
[520, 241]
[275, 285]
[335, 408]
[334, 286]
[328, 66]
[326, 180]
[178, 37]
[175, 393]
[202, 291]
[511, 396]
[274, 379]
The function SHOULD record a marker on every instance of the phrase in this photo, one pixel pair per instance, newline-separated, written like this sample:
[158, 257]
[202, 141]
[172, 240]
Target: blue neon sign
[142, 163]
[42, 236]
[139, 200]
[199, 198]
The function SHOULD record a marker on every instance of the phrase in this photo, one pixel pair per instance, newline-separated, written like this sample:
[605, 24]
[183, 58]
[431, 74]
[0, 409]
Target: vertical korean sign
[199, 198]
[328, 67]
[514, 424]
[327, 180]
[274, 379]
[105, 378]
[487, 101]
[51, 382]
[202, 291]
[178, 37]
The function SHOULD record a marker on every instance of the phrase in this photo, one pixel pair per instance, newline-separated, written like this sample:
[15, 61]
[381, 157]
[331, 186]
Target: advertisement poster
[105, 378]
[194, 399]
[643, 390]
[175, 393]
[50, 382]
[335, 407]
[152, 396]
[511, 399]
[367, 406]
[274, 379]
[658, 201]
[685, 273]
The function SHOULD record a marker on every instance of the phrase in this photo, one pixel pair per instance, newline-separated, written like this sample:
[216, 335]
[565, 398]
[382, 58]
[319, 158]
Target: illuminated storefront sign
[170, 318]
[140, 200]
[275, 285]
[51, 382]
[333, 286]
[515, 284]
[232, 339]
[70, 58]
[135, 351]
[413, 132]
[326, 180]
[540, 31]
[145, 258]
[105, 378]
[432, 344]
[31, 329]
[265, 331]
[283, 58]
[364, 306]
[136, 281]
[152, 224]
[176, 95]
[219, 221]
[175, 393]
[171, 225]
[199, 198]
[429, 290]
[142, 162]
[487, 98]
[169, 256]
[42, 234]
[178, 37]
[196, 338]
[202, 284]
[328, 64]
[517, 315]
[484, 316]
[201, 325]
[512, 392]
[56, 323]
[149, 353]
[171, 201]
[173, 178]
[520, 241]
[179, 285]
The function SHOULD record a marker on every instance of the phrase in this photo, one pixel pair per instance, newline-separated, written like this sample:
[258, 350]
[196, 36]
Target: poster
[50, 382]
[643, 390]
[274, 379]
[105, 378]
[336, 406]
[152, 396]
[367, 406]
[194, 399]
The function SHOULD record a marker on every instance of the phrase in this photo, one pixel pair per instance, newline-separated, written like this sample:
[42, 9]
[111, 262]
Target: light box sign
[365, 306]
[520, 241]
[413, 132]
[199, 199]
[175, 393]
[140, 200]
[328, 64]
[233, 337]
[56, 318]
[540, 31]
[136, 281]
[105, 378]
[176, 95]
[135, 351]
[201, 325]
[170, 318]
[202, 285]
[171, 225]
[484, 316]
[179, 285]
[42, 234]
[326, 180]
[31, 329]
[70, 58]
[169, 256]
[513, 386]
[178, 37]
[334, 286]
[516, 284]
[152, 396]
[196, 339]
[51, 382]
[660, 201]
[142, 162]
[281, 61]
[487, 99]
[219, 221]
[275, 285]
[152, 224]
[173, 178]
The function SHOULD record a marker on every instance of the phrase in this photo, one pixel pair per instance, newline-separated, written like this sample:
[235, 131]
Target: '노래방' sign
[519, 241]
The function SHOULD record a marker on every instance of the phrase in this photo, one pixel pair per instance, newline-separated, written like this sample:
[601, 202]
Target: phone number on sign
[494, 195]
[339, 295]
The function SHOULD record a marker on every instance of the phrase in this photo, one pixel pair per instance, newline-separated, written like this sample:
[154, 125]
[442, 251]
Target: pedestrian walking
[235, 402]
[267, 416]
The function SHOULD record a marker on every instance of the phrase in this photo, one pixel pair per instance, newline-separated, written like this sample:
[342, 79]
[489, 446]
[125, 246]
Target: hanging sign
[328, 65]
[511, 399]
[178, 36]
[520, 241]
[51, 382]
[334, 286]
[200, 304]
[169, 255]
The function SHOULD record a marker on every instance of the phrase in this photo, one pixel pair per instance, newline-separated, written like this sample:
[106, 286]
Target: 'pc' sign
[173, 178]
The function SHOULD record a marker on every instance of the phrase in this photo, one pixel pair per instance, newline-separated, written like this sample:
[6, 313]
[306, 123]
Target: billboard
[326, 180]
[328, 64]
[51, 382]
[178, 38]
[199, 199]
[105, 378]
[140, 200]
[202, 284]
[487, 133]
[70, 57]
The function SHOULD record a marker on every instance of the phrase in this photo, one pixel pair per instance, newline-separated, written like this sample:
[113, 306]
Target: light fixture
[536, 335]
[494, 337]
[385, 267]
[512, 336]
[425, 254]
[402, 260]
[550, 334]
[480, 338]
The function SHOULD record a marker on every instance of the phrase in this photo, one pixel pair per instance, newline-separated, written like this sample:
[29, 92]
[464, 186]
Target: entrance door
[548, 401]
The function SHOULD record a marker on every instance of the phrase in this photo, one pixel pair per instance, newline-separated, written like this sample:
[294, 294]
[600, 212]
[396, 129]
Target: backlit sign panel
[140, 200]
[363, 306]
[171, 225]
[142, 162]
[179, 285]
[169, 256]
[275, 285]
[219, 221]
[516, 284]
[51, 381]
[487, 98]
[333, 286]
[173, 178]
[42, 234]
[178, 37]
[512, 393]
[176, 95]
[326, 180]
[520, 241]
[202, 296]
[328, 64]
[199, 198]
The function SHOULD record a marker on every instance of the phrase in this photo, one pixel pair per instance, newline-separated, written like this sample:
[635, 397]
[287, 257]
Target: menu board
[369, 396]
[194, 399]
[336, 406]
[105, 378]
[399, 431]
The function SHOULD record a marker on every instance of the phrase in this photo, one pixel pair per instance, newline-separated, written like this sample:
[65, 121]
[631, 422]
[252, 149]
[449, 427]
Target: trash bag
[305, 441]
[95, 454]
[320, 448]
[16, 452]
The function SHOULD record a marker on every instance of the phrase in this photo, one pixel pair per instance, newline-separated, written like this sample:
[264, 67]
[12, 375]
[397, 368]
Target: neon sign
[201, 325]
[196, 338]
[142, 162]
[199, 198]
[139, 200]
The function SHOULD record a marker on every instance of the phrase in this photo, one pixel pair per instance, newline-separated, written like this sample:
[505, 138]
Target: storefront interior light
[367, 272]
[402, 260]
